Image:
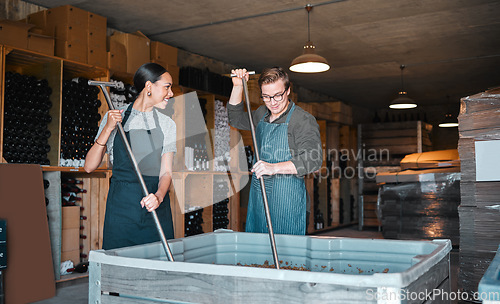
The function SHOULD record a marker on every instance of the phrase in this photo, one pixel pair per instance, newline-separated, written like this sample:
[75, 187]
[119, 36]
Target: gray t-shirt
[143, 121]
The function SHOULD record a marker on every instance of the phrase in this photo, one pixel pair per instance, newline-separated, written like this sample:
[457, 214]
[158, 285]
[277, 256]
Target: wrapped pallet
[479, 125]
[422, 201]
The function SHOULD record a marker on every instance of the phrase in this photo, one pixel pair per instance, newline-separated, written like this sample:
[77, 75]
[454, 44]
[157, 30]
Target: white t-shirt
[143, 121]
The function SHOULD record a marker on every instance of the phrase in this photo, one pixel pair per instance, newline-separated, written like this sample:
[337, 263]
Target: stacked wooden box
[381, 146]
[479, 120]
[333, 111]
[80, 35]
[128, 51]
[70, 235]
[25, 36]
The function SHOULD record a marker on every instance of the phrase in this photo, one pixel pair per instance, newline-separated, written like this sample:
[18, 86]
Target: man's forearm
[236, 95]
[285, 168]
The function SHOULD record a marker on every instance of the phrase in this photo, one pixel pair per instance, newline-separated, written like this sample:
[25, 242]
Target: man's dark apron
[286, 193]
[126, 223]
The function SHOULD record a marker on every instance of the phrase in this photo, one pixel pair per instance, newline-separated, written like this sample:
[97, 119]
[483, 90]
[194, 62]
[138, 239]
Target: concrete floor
[77, 292]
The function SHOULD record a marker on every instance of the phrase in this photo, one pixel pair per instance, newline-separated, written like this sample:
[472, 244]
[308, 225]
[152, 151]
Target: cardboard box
[429, 160]
[97, 57]
[41, 43]
[74, 35]
[14, 33]
[96, 40]
[340, 107]
[97, 23]
[70, 239]
[163, 52]
[68, 16]
[117, 56]
[70, 27]
[39, 19]
[71, 42]
[68, 50]
[96, 54]
[137, 47]
[73, 256]
[173, 70]
[70, 217]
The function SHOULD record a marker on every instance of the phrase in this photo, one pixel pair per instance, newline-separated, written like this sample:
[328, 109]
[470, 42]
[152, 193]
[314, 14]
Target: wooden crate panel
[371, 222]
[389, 142]
[370, 199]
[371, 133]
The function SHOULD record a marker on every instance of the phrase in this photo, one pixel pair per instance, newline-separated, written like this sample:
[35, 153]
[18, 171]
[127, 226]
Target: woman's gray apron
[126, 223]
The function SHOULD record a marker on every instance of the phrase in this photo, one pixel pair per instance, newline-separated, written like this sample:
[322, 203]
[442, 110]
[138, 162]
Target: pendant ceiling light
[403, 101]
[309, 61]
[449, 121]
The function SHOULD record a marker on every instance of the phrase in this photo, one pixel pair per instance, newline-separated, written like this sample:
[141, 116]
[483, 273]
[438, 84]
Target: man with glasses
[289, 145]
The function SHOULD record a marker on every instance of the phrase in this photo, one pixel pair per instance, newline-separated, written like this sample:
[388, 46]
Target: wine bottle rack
[222, 154]
[193, 222]
[45, 115]
[90, 205]
[220, 208]
[26, 114]
[80, 118]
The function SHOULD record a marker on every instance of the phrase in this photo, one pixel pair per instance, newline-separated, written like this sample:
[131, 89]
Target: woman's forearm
[163, 186]
[96, 153]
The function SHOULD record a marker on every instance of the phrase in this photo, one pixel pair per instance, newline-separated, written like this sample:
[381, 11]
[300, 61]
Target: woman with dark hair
[152, 137]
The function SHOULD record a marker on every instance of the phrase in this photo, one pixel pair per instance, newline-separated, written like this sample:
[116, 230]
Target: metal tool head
[112, 84]
[234, 75]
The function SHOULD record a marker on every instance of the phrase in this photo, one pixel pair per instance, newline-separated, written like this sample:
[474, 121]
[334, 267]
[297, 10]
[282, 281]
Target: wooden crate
[381, 146]
[332, 111]
[399, 138]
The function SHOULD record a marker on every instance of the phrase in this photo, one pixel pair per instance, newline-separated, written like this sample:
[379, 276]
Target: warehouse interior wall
[17, 9]
[443, 138]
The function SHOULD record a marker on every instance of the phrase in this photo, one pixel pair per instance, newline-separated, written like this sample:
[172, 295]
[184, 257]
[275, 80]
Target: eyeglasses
[277, 97]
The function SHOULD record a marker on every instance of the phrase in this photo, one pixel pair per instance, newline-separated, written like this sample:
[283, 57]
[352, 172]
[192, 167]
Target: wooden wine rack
[56, 70]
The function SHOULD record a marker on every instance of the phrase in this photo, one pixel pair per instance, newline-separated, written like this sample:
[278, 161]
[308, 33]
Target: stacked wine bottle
[195, 150]
[46, 185]
[70, 192]
[203, 79]
[192, 222]
[249, 157]
[26, 116]
[80, 117]
[196, 156]
[329, 219]
[122, 96]
[220, 207]
[319, 222]
[222, 137]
